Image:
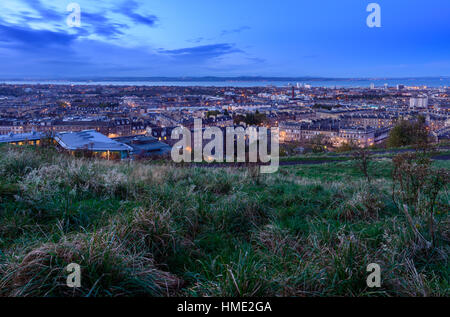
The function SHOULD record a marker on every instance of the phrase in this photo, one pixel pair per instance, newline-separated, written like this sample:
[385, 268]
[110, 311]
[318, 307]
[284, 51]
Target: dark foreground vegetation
[150, 229]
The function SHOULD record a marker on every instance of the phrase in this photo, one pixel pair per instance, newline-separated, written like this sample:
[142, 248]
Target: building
[377, 120]
[145, 146]
[333, 113]
[442, 134]
[33, 138]
[12, 126]
[295, 131]
[333, 132]
[93, 143]
[419, 102]
[219, 121]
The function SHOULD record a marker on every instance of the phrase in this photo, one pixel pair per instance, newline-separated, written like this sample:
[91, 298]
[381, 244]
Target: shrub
[18, 162]
[363, 159]
[416, 186]
[346, 147]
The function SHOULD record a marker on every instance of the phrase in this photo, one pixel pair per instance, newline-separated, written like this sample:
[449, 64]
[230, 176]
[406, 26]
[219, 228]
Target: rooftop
[91, 140]
[145, 144]
[10, 138]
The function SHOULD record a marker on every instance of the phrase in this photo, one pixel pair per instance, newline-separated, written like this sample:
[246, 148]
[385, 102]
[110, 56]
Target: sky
[296, 38]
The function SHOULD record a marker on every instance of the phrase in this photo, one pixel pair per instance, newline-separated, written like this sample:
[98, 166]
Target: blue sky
[326, 38]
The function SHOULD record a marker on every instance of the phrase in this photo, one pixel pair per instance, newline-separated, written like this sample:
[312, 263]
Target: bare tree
[363, 159]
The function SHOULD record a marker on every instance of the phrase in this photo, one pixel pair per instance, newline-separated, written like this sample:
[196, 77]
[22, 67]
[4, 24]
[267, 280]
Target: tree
[408, 133]
[212, 113]
[318, 143]
[347, 147]
[251, 118]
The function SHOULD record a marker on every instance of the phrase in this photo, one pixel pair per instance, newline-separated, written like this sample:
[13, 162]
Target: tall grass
[141, 229]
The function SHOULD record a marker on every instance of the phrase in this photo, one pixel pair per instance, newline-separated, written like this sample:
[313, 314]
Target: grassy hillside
[139, 229]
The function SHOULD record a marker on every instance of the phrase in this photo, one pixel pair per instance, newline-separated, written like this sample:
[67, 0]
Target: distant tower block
[420, 102]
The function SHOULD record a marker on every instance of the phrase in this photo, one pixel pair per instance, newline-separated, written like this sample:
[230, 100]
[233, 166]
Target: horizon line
[220, 78]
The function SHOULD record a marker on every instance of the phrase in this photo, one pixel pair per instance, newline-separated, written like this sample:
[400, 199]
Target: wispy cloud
[196, 40]
[235, 31]
[27, 38]
[94, 23]
[222, 34]
[130, 10]
[31, 52]
[45, 13]
[202, 53]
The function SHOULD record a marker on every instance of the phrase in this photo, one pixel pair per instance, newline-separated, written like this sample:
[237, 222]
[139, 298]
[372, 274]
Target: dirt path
[443, 157]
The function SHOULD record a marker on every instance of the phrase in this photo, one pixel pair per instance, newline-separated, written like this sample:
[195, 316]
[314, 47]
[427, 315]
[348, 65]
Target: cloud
[45, 12]
[76, 58]
[102, 26]
[93, 23]
[223, 33]
[196, 40]
[64, 53]
[26, 52]
[203, 51]
[129, 9]
[33, 48]
[234, 31]
[27, 38]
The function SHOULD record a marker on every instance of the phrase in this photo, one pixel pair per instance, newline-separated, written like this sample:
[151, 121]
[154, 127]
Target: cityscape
[363, 116]
[223, 157]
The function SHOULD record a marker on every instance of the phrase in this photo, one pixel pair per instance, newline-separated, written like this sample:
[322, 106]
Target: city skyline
[200, 38]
